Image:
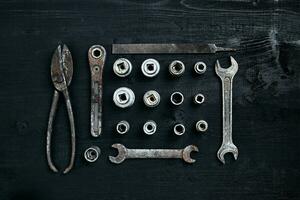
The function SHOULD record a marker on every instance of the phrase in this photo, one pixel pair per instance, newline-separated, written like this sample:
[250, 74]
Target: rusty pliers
[61, 74]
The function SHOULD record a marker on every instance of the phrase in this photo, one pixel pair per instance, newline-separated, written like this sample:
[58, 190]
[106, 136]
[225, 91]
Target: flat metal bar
[167, 48]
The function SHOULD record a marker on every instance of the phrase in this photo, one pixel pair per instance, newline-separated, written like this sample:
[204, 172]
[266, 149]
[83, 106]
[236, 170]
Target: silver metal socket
[150, 127]
[123, 97]
[92, 153]
[200, 67]
[201, 126]
[122, 67]
[151, 98]
[176, 68]
[122, 127]
[199, 98]
[179, 129]
[177, 98]
[150, 67]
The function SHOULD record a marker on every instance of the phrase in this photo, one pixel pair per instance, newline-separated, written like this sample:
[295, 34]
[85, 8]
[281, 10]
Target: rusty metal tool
[96, 56]
[167, 49]
[61, 74]
[125, 153]
[226, 75]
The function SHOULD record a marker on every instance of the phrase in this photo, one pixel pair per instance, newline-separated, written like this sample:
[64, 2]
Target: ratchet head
[186, 154]
[61, 67]
[227, 72]
[227, 148]
[121, 155]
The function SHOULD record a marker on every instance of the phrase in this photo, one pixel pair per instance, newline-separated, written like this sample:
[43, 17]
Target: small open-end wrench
[226, 75]
[96, 55]
[125, 153]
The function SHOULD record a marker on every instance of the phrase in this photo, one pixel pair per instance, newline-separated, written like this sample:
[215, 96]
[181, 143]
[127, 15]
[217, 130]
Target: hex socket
[92, 153]
[150, 127]
[179, 129]
[201, 126]
[200, 67]
[177, 98]
[150, 67]
[176, 68]
[122, 67]
[122, 127]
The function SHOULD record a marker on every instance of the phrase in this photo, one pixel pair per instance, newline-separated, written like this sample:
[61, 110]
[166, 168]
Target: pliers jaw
[61, 67]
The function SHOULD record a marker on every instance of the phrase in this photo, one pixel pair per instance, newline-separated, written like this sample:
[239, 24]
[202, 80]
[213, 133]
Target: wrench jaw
[223, 72]
[227, 148]
[121, 155]
[186, 153]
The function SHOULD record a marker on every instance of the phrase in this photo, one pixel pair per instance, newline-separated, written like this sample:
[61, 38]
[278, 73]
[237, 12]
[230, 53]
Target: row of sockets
[92, 153]
[150, 67]
[124, 97]
[150, 127]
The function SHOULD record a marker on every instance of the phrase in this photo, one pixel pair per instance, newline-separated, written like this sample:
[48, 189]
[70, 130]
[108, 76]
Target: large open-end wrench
[226, 75]
[125, 153]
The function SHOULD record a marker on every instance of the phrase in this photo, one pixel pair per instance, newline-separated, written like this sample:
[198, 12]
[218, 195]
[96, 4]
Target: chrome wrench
[125, 153]
[226, 75]
[96, 55]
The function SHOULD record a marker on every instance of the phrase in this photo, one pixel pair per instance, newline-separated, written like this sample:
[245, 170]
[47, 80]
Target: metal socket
[151, 98]
[150, 67]
[179, 129]
[201, 126]
[200, 67]
[92, 153]
[122, 67]
[177, 98]
[199, 98]
[176, 68]
[122, 127]
[150, 127]
[124, 97]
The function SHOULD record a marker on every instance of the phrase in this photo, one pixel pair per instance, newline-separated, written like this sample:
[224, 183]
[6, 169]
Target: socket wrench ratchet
[96, 55]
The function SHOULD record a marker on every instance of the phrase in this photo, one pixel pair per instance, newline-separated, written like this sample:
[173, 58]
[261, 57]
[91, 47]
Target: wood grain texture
[266, 102]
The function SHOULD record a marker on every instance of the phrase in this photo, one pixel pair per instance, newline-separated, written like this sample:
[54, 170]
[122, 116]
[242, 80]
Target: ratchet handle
[96, 55]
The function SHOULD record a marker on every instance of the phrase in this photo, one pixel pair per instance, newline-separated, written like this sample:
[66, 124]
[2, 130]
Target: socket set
[124, 97]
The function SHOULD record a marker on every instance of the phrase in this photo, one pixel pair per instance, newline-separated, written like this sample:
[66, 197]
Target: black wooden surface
[265, 111]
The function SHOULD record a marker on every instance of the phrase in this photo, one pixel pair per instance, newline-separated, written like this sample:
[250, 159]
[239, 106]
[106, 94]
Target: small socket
[122, 127]
[199, 98]
[150, 67]
[151, 98]
[92, 153]
[179, 129]
[176, 68]
[122, 67]
[177, 98]
[201, 126]
[123, 97]
[150, 127]
[200, 67]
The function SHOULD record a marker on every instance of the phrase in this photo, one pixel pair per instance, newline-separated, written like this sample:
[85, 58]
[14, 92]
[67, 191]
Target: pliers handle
[49, 130]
